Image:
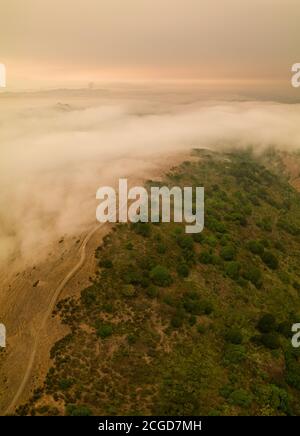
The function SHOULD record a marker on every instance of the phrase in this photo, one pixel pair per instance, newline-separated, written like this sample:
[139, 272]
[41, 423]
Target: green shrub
[296, 285]
[240, 218]
[232, 270]
[207, 307]
[234, 336]
[160, 276]
[265, 243]
[215, 226]
[201, 328]
[128, 291]
[266, 323]
[288, 226]
[284, 328]
[198, 237]
[265, 224]
[89, 296]
[234, 354]
[161, 248]
[131, 339]
[284, 277]
[292, 374]
[134, 276]
[254, 275]
[105, 263]
[226, 390]
[270, 260]
[192, 320]
[152, 291]
[65, 383]
[185, 242]
[279, 246]
[143, 229]
[205, 257]
[241, 398]
[197, 307]
[279, 399]
[73, 410]
[255, 247]
[228, 253]
[270, 340]
[224, 240]
[211, 240]
[177, 320]
[104, 331]
[183, 270]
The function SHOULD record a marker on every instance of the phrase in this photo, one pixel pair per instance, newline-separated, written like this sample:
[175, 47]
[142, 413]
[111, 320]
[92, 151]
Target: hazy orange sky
[53, 43]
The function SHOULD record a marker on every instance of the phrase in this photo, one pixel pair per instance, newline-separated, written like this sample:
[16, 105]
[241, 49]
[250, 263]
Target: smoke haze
[54, 156]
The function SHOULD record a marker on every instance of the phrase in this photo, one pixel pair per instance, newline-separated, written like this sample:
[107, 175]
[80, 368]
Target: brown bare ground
[291, 164]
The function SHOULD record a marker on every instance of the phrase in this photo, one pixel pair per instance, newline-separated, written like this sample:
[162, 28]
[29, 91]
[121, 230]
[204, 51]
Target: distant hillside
[174, 324]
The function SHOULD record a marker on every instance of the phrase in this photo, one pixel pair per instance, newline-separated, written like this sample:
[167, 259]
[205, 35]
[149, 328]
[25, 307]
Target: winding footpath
[47, 314]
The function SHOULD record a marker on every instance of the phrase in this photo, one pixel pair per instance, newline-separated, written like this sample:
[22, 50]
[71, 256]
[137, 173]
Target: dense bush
[284, 328]
[288, 226]
[73, 410]
[256, 247]
[160, 276]
[232, 270]
[211, 240]
[128, 291]
[104, 331]
[228, 253]
[196, 306]
[278, 399]
[279, 246]
[234, 336]
[198, 237]
[65, 383]
[201, 328]
[296, 285]
[134, 276]
[224, 240]
[177, 319]
[270, 260]
[241, 398]
[284, 277]
[267, 323]
[143, 229]
[152, 291]
[265, 224]
[270, 340]
[183, 270]
[215, 226]
[292, 374]
[185, 242]
[205, 257]
[105, 263]
[254, 275]
[234, 354]
[89, 296]
[240, 218]
[161, 248]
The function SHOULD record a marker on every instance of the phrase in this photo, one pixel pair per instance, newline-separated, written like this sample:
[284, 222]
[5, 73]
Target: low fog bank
[55, 156]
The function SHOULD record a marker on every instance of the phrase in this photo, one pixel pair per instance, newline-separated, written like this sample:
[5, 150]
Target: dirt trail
[47, 314]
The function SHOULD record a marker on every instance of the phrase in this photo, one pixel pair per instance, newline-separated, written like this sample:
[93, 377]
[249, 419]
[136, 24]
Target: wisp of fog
[54, 157]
